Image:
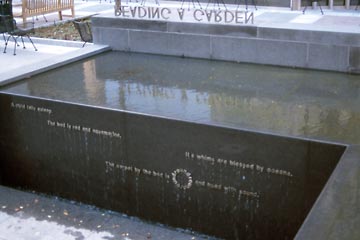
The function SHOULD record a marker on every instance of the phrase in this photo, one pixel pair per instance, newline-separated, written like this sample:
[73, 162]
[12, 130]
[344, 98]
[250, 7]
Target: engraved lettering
[181, 12]
[229, 17]
[31, 108]
[199, 15]
[229, 189]
[208, 15]
[235, 164]
[200, 183]
[165, 12]
[141, 12]
[124, 11]
[154, 13]
[60, 124]
[137, 171]
[249, 17]
[133, 11]
[51, 123]
[239, 16]
[86, 129]
[217, 16]
[213, 186]
[76, 127]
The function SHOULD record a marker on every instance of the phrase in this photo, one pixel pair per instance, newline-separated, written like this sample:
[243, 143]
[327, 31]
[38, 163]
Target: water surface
[314, 104]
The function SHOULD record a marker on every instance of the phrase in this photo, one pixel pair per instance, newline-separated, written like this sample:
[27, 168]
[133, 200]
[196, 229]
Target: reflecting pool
[295, 102]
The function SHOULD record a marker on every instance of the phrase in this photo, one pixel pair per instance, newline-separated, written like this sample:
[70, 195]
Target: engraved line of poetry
[181, 178]
[32, 108]
[85, 129]
[64, 125]
[235, 164]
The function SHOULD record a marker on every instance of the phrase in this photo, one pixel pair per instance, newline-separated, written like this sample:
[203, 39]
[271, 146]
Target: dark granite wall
[220, 181]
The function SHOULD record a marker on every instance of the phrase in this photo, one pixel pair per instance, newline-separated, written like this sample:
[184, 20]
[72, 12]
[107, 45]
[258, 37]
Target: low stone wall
[312, 49]
[221, 181]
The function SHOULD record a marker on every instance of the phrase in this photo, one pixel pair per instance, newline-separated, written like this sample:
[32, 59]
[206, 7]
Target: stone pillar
[331, 4]
[347, 4]
[295, 4]
[117, 7]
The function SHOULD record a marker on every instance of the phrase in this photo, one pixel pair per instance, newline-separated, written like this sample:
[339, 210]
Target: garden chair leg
[6, 43]
[23, 42]
[32, 42]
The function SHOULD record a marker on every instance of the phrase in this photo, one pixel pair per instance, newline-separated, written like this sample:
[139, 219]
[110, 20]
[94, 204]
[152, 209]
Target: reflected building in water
[278, 100]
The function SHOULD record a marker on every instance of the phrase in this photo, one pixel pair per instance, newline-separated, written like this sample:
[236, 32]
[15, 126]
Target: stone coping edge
[46, 65]
[335, 213]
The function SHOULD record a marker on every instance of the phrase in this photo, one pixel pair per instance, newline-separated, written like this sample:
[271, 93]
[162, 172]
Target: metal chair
[246, 3]
[216, 3]
[2, 29]
[15, 32]
[310, 4]
[143, 2]
[5, 9]
[84, 30]
[193, 2]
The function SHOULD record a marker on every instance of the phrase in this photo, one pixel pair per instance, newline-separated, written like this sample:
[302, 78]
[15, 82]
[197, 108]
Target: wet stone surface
[25, 215]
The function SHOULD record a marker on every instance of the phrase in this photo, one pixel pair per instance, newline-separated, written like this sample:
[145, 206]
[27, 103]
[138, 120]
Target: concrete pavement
[30, 216]
[50, 54]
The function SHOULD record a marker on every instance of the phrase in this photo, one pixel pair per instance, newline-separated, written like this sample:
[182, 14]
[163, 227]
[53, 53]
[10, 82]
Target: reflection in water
[94, 88]
[280, 100]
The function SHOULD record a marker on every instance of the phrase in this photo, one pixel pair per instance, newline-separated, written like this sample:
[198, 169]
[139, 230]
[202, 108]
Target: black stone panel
[220, 181]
